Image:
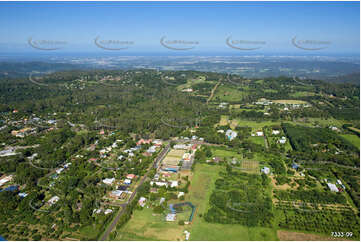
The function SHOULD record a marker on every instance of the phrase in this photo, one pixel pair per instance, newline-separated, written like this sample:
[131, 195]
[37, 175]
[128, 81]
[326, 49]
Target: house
[144, 141]
[231, 134]
[339, 182]
[170, 217]
[295, 166]
[115, 194]
[174, 184]
[97, 211]
[142, 201]
[332, 187]
[216, 159]
[334, 128]
[127, 181]
[187, 90]
[108, 181]
[259, 133]
[59, 170]
[131, 176]
[5, 179]
[157, 142]
[180, 194]
[67, 165]
[107, 211]
[220, 131]
[53, 200]
[160, 184]
[282, 140]
[275, 132]
[265, 170]
[186, 156]
[187, 234]
[22, 194]
[180, 147]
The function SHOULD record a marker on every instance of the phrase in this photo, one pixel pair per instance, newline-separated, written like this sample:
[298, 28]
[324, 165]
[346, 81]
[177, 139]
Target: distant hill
[21, 69]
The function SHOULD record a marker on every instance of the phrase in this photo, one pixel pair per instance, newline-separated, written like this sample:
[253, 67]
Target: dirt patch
[281, 187]
[297, 236]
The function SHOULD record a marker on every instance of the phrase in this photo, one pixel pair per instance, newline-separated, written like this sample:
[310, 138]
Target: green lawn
[354, 139]
[257, 139]
[228, 94]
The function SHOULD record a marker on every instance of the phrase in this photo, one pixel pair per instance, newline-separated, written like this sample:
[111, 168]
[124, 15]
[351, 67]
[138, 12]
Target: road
[159, 158]
[212, 92]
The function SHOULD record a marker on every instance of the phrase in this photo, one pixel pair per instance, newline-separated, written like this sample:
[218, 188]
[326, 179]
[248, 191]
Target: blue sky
[275, 23]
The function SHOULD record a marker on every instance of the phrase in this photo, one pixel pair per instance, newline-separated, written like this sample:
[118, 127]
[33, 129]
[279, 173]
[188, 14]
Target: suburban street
[159, 158]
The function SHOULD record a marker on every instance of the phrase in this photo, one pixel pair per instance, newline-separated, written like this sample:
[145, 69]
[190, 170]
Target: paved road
[159, 158]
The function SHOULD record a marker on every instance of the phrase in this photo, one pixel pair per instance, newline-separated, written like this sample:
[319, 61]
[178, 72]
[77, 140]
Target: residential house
[142, 201]
[332, 187]
[265, 170]
[108, 181]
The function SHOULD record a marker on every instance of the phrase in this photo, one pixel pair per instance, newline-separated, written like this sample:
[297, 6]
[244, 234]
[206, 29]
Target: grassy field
[302, 94]
[200, 191]
[289, 101]
[225, 153]
[257, 139]
[355, 140]
[228, 94]
[145, 226]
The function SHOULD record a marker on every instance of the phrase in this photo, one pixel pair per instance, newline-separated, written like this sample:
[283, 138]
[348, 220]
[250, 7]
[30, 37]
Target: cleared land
[289, 101]
[228, 94]
[173, 157]
[355, 140]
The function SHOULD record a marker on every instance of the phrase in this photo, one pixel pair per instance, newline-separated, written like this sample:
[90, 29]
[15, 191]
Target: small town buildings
[275, 132]
[339, 182]
[332, 187]
[159, 184]
[259, 133]
[162, 200]
[181, 147]
[108, 181]
[157, 142]
[220, 131]
[265, 170]
[127, 181]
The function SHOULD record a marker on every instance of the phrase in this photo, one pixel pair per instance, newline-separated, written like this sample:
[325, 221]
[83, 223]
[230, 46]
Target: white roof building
[282, 140]
[107, 211]
[265, 170]
[127, 181]
[231, 134]
[170, 217]
[109, 181]
[259, 133]
[53, 200]
[332, 187]
[59, 170]
[174, 184]
[180, 194]
[275, 132]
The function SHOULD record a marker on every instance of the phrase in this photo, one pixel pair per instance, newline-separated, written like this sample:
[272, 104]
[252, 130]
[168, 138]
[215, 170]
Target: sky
[254, 27]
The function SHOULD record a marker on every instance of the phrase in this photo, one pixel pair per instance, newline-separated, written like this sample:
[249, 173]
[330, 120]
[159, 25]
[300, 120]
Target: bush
[181, 222]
